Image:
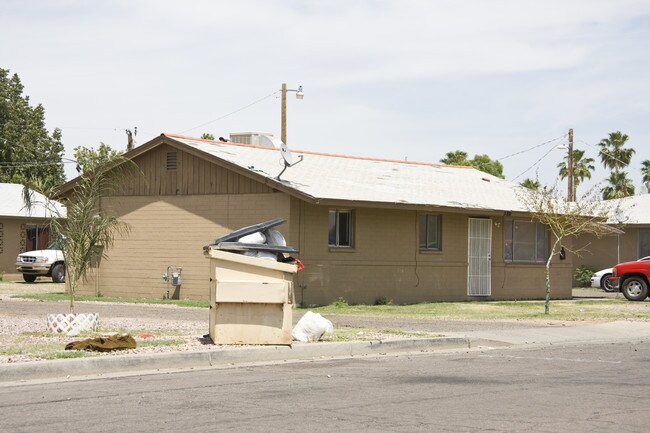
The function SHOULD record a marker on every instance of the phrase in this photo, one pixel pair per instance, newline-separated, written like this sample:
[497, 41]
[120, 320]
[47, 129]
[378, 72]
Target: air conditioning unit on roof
[252, 138]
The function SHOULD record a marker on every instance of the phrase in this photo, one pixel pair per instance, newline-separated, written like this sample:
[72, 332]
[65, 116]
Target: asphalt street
[576, 387]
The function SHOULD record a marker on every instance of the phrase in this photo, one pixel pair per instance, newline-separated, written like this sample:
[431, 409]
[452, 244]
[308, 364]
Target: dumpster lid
[234, 236]
[240, 246]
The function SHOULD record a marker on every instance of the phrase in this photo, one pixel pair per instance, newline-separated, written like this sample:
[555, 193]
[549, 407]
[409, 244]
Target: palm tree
[582, 168]
[612, 153]
[530, 184]
[645, 170]
[88, 229]
[619, 186]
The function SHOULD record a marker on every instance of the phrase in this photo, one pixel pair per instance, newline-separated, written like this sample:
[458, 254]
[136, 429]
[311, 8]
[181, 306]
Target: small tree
[88, 229]
[480, 162]
[563, 220]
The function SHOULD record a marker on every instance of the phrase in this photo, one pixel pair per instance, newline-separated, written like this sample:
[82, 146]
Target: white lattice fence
[72, 323]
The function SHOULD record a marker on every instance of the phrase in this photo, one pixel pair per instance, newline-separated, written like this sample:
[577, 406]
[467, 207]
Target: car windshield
[58, 244]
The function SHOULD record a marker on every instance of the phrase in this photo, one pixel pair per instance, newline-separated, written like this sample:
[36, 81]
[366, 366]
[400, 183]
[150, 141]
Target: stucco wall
[172, 230]
[604, 252]
[386, 262]
[10, 244]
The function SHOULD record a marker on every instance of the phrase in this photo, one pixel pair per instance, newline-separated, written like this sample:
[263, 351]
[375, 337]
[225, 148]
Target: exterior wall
[13, 242]
[192, 176]
[171, 231]
[604, 252]
[386, 262]
[172, 214]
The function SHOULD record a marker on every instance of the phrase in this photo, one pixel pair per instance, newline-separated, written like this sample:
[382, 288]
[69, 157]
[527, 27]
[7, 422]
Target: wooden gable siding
[193, 175]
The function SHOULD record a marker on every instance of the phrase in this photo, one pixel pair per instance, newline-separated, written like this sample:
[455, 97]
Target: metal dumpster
[250, 299]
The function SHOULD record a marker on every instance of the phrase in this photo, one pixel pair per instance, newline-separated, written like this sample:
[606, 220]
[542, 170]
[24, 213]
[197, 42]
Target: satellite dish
[286, 154]
[620, 215]
[288, 158]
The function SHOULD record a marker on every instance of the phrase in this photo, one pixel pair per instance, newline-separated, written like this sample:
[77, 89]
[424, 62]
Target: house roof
[630, 210]
[324, 177]
[13, 205]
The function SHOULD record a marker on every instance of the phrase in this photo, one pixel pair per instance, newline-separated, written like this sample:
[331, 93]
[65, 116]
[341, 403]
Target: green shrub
[382, 300]
[583, 275]
[340, 302]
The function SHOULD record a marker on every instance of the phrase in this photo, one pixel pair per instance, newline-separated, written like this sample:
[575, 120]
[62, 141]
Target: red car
[632, 278]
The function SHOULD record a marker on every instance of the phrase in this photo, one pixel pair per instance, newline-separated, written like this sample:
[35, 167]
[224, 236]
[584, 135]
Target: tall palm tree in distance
[582, 168]
[613, 154]
[645, 170]
[619, 186]
[529, 183]
[616, 157]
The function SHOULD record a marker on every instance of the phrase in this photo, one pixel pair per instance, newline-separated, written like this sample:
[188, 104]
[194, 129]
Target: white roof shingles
[12, 204]
[334, 177]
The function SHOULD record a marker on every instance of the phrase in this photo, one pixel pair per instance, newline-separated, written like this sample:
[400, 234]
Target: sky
[388, 79]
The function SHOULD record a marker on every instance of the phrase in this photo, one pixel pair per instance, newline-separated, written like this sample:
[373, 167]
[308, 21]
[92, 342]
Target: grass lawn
[578, 309]
[63, 296]
[510, 310]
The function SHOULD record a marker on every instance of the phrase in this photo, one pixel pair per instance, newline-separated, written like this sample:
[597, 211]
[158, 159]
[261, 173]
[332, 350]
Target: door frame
[481, 262]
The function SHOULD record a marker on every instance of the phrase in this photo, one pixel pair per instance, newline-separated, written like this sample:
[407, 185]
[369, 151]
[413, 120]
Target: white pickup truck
[48, 262]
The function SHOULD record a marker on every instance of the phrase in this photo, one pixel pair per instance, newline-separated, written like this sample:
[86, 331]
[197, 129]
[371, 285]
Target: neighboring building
[21, 229]
[632, 216]
[367, 229]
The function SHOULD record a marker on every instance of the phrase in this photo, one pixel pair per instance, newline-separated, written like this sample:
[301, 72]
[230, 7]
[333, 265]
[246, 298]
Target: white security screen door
[479, 266]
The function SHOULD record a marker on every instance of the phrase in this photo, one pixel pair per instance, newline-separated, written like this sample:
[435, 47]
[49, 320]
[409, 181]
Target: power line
[534, 164]
[233, 112]
[531, 148]
[607, 152]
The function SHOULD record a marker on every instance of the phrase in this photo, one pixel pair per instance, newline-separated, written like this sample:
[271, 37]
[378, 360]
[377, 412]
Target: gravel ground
[156, 328]
[169, 328]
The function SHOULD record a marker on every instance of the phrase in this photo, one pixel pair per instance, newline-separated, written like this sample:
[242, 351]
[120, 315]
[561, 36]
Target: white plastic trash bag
[253, 238]
[311, 327]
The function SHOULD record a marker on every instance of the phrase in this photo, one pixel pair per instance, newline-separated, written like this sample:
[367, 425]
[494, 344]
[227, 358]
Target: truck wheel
[58, 273]
[635, 289]
[29, 278]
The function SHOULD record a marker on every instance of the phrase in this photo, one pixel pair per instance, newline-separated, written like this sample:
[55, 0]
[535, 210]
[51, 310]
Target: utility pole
[571, 193]
[299, 95]
[283, 130]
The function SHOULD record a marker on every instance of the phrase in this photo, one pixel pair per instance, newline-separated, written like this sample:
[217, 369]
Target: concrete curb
[215, 358]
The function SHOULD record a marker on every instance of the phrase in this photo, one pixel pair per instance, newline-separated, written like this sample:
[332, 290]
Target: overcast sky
[387, 79]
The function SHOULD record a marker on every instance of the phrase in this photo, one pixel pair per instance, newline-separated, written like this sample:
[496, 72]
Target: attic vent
[172, 161]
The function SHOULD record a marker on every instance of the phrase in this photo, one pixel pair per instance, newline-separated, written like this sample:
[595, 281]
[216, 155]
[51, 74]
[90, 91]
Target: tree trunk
[547, 302]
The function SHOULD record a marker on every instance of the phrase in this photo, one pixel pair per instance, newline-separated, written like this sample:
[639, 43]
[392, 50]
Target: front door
[479, 257]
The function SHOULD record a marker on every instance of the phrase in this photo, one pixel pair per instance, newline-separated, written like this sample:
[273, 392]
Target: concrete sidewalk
[215, 357]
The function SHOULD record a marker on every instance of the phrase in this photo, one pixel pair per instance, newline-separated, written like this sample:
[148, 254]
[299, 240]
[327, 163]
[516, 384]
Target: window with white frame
[525, 241]
[429, 233]
[341, 227]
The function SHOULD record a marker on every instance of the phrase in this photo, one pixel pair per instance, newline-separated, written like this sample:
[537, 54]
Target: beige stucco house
[21, 228]
[367, 229]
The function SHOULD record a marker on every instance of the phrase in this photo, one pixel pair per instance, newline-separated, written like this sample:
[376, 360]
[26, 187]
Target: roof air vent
[172, 161]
